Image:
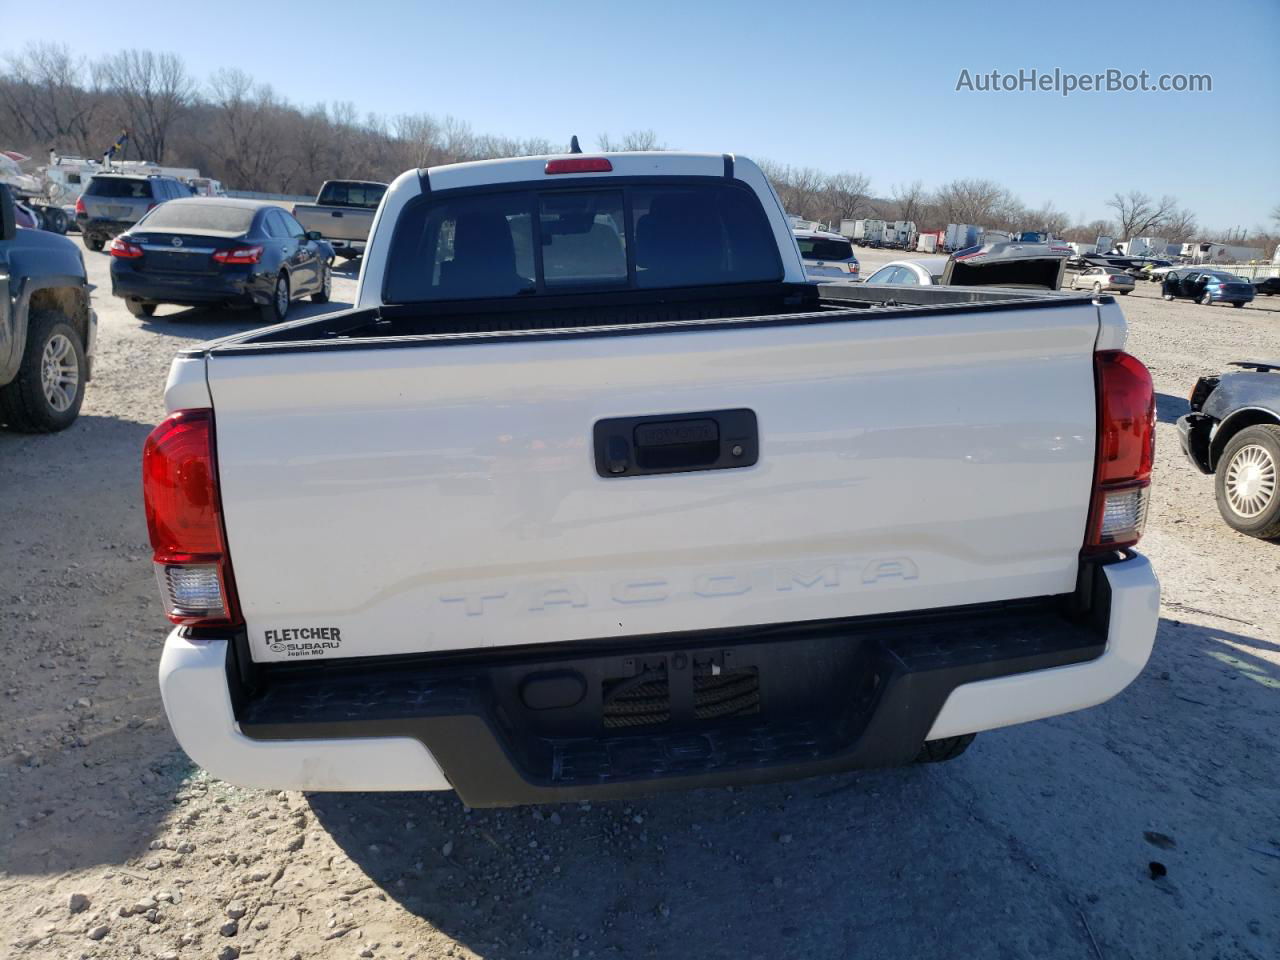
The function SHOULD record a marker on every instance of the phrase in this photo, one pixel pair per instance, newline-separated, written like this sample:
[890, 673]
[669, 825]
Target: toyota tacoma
[592, 494]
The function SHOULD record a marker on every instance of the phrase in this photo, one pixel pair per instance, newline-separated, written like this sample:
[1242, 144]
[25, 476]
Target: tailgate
[439, 496]
[336, 223]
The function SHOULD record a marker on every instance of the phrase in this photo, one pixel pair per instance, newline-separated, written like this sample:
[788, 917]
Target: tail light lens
[124, 249]
[184, 519]
[239, 255]
[80, 205]
[1126, 448]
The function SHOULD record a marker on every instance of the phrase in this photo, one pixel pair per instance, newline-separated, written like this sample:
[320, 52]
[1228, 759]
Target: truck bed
[771, 304]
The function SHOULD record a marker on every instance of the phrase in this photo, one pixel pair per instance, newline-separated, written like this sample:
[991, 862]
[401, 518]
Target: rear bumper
[531, 726]
[102, 227]
[1195, 430]
[186, 288]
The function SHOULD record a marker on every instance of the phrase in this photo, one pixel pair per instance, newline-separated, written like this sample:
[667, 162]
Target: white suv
[828, 257]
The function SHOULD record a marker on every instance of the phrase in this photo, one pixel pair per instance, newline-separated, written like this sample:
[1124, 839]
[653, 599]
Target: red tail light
[579, 165]
[184, 518]
[1126, 447]
[152, 206]
[80, 205]
[124, 249]
[239, 255]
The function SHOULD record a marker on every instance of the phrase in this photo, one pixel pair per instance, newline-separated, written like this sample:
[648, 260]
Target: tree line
[247, 135]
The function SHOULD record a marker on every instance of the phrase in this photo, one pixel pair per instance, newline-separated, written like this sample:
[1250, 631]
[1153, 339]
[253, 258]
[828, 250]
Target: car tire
[948, 748]
[139, 309]
[326, 286]
[94, 242]
[53, 219]
[1206, 300]
[1125, 293]
[1237, 305]
[277, 308]
[1168, 296]
[1247, 481]
[49, 389]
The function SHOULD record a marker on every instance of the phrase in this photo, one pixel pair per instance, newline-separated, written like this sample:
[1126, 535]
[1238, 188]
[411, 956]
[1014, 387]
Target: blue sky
[864, 86]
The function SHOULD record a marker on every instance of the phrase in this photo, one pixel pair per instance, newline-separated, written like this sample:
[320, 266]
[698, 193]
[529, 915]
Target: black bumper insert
[599, 719]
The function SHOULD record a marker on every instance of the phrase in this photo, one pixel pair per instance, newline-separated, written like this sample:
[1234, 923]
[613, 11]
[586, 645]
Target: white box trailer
[1205, 251]
[900, 234]
[868, 233]
[847, 228]
[927, 243]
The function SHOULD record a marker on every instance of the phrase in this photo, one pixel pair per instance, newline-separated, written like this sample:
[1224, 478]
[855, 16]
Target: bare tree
[51, 97]
[1275, 213]
[971, 201]
[1137, 213]
[1046, 218]
[154, 89]
[801, 189]
[419, 134]
[245, 130]
[845, 196]
[634, 141]
[912, 200]
[1180, 226]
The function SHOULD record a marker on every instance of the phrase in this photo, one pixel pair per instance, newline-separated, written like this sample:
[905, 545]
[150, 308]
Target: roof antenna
[573, 144]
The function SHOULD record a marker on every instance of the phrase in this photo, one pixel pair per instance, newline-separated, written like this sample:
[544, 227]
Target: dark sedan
[208, 251]
[1269, 286]
[1233, 432]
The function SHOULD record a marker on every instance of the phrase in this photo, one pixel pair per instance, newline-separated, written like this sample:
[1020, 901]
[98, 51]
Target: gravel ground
[1148, 827]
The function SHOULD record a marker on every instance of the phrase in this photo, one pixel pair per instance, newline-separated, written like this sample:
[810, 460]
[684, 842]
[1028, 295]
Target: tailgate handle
[680, 443]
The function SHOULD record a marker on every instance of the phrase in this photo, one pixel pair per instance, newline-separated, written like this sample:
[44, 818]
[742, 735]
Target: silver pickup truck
[343, 213]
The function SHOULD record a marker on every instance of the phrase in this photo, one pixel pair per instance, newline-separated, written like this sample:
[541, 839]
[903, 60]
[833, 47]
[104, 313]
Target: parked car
[594, 493]
[1233, 432]
[1268, 286]
[47, 327]
[923, 271]
[1206, 286]
[1157, 274]
[1148, 269]
[113, 202]
[1099, 279]
[828, 257]
[343, 213]
[215, 250]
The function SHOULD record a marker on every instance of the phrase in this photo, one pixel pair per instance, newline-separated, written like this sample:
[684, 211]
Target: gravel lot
[1042, 841]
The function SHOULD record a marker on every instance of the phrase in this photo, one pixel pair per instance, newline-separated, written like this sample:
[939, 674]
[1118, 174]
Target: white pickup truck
[591, 494]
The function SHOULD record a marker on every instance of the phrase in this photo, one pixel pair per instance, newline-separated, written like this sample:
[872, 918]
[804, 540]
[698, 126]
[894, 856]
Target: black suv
[47, 327]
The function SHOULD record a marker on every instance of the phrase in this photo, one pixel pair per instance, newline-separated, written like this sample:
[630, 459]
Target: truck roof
[666, 163]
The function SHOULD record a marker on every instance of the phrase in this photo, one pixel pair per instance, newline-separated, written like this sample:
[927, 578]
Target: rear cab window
[367, 196]
[554, 240]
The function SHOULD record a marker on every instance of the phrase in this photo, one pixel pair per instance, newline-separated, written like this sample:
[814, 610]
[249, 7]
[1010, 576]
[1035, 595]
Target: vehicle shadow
[1169, 408]
[846, 865]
